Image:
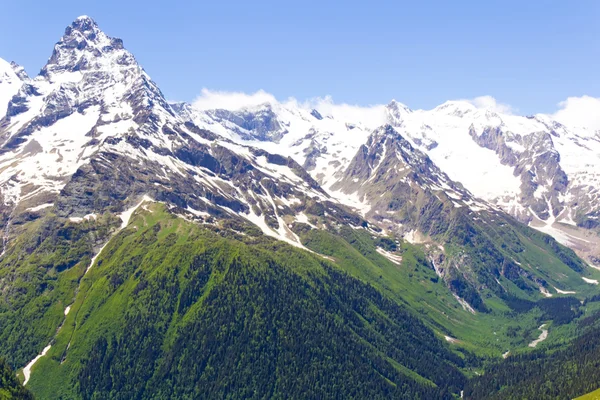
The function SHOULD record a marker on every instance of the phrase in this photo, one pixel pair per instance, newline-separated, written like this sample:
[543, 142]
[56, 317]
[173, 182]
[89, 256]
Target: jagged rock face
[261, 124]
[388, 174]
[526, 165]
[404, 192]
[90, 89]
[541, 172]
[92, 133]
[543, 181]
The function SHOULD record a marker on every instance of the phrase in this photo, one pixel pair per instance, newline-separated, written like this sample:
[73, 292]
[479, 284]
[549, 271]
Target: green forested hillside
[173, 310]
[38, 277]
[10, 387]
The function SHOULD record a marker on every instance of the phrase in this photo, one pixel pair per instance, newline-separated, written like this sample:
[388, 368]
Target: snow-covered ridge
[532, 167]
[92, 129]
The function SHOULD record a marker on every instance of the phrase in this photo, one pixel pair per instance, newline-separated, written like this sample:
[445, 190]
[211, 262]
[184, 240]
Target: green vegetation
[595, 395]
[10, 387]
[551, 373]
[174, 310]
[510, 323]
[38, 278]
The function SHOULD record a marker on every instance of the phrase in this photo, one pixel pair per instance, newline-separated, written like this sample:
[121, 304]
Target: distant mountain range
[540, 171]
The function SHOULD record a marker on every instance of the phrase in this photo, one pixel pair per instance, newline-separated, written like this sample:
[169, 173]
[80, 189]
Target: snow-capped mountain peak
[90, 92]
[396, 112]
[83, 47]
[541, 171]
[92, 132]
[457, 108]
[12, 77]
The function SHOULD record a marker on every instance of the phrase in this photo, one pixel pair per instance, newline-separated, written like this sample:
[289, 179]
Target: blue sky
[528, 54]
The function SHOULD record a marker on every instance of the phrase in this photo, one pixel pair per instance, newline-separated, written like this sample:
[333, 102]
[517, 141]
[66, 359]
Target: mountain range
[154, 249]
[534, 168]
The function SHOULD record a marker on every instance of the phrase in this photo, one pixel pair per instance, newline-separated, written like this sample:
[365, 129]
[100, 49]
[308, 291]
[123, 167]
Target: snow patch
[126, 215]
[395, 258]
[450, 339]
[40, 207]
[563, 291]
[27, 369]
[592, 281]
[466, 306]
[542, 336]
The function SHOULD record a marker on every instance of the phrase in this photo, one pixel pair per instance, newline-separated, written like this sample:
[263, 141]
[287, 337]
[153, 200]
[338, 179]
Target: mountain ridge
[534, 168]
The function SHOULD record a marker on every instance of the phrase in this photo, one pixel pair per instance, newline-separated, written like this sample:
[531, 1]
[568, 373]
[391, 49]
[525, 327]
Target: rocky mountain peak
[396, 112]
[456, 108]
[84, 46]
[84, 24]
[260, 122]
[397, 106]
[12, 77]
[387, 133]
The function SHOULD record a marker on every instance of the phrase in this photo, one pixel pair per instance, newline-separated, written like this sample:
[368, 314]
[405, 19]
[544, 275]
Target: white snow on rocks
[10, 83]
[40, 207]
[395, 258]
[448, 134]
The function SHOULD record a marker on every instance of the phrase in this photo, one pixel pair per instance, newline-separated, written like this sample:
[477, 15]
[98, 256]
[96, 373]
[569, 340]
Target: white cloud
[211, 99]
[371, 116]
[490, 103]
[581, 111]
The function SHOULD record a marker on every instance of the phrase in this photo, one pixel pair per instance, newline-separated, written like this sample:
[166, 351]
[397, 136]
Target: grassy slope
[497, 241]
[556, 371]
[416, 284]
[595, 395]
[41, 271]
[175, 310]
